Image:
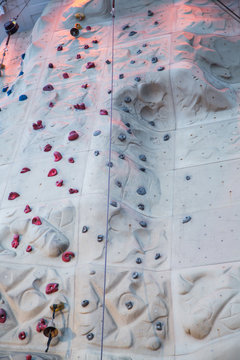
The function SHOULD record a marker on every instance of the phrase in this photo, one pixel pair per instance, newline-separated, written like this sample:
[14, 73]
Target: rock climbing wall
[173, 271]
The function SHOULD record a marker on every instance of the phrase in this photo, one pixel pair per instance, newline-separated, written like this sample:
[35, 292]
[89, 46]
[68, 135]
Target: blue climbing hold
[9, 92]
[5, 89]
[21, 73]
[23, 97]
[23, 56]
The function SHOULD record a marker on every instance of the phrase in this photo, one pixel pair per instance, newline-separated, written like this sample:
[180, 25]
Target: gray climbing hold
[143, 224]
[159, 326]
[128, 125]
[154, 60]
[125, 109]
[109, 91]
[161, 68]
[84, 229]
[186, 219]
[108, 62]
[122, 137]
[121, 156]
[188, 177]
[129, 131]
[121, 76]
[132, 62]
[138, 260]
[152, 123]
[132, 33]
[141, 190]
[109, 164]
[135, 275]
[142, 169]
[100, 238]
[150, 13]
[141, 206]
[166, 137]
[142, 157]
[127, 99]
[118, 183]
[156, 23]
[129, 305]
[144, 45]
[96, 152]
[90, 336]
[139, 51]
[125, 27]
[97, 132]
[113, 203]
[137, 79]
[157, 256]
[84, 303]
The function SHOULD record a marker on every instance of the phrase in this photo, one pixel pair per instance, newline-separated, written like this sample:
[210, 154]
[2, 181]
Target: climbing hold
[59, 183]
[59, 48]
[29, 248]
[144, 45]
[78, 56]
[21, 73]
[100, 238]
[73, 135]
[50, 65]
[80, 16]
[24, 170]
[188, 177]
[125, 109]
[132, 33]
[121, 156]
[127, 99]
[161, 68]
[125, 27]
[47, 148]
[186, 219]
[88, 28]
[28, 357]
[22, 335]
[129, 131]
[73, 191]
[118, 183]
[159, 326]
[15, 241]
[48, 87]
[109, 164]
[65, 75]
[38, 125]
[13, 195]
[139, 51]
[97, 132]
[121, 137]
[121, 76]
[23, 97]
[157, 256]
[85, 303]
[41, 325]
[23, 56]
[129, 305]
[142, 157]
[152, 123]
[53, 172]
[3, 316]
[132, 62]
[86, 47]
[36, 220]
[84, 86]
[90, 65]
[155, 23]
[80, 106]
[71, 160]
[51, 104]
[141, 190]
[142, 169]
[51, 288]
[67, 256]
[128, 125]
[166, 137]
[154, 59]
[103, 112]
[141, 206]
[143, 224]
[135, 275]
[95, 41]
[9, 92]
[137, 79]
[108, 62]
[5, 89]
[96, 152]
[90, 336]
[109, 91]
[27, 209]
[84, 229]
[150, 13]
[113, 203]
[78, 26]
[138, 260]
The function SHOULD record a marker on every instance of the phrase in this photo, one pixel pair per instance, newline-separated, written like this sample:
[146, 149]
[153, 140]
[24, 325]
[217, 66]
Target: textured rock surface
[172, 285]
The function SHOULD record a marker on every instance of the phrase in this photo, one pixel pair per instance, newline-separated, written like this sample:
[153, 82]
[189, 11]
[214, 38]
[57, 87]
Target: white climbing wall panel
[173, 265]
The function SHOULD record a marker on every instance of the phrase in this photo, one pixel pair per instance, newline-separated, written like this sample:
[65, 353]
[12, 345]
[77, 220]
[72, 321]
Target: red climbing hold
[84, 86]
[24, 170]
[86, 47]
[3, 316]
[88, 28]
[71, 160]
[48, 87]
[51, 288]
[29, 248]
[47, 148]
[28, 357]
[22, 335]
[41, 325]
[51, 104]
[78, 56]
[36, 220]
[103, 112]
[27, 209]
[73, 191]
[57, 156]
[38, 125]
[73, 135]
[65, 75]
[67, 256]
[90, 65]
[80, 106]
[59, 183]
[15, 241]
[13, 195]
[59, 48]
[52, 172]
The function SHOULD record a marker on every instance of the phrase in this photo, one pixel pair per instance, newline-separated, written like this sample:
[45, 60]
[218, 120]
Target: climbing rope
[227, 9]
[108, 184]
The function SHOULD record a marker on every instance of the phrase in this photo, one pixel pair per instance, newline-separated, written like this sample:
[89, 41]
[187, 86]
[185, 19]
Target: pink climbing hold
[27, 209]
[65, 75]
[28, 357]
[15, 241]
[59, 48]
[57, 156]
[80, 106]
[86, 47]
[78, 56]
[88, 28]
[59, 183]
[38, 125]
[47, 148]
[73, 135]
[103, 112]
[51, 104]
[52, 172]
[29, 248]
[73, 191]
[13, 195]
[24, 170]
[51, 288]
[67, 256]
[3, 316]
[36, 220]
[48, 87]
[90, 65]
[22, 335]
[71, 160]
[84, 86]
[41, 325]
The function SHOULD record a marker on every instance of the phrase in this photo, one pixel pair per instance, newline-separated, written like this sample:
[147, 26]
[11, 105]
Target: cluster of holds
[75, 30]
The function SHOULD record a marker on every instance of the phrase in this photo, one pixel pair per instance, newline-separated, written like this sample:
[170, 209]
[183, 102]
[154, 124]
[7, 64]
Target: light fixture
[51, 331]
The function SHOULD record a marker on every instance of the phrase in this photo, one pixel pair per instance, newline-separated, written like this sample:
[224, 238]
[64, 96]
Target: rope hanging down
[108, 184]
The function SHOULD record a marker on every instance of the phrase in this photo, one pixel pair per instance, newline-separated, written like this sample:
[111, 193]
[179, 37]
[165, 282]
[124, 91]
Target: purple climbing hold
[48, 87]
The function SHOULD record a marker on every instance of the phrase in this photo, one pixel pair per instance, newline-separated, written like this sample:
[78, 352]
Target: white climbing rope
[108, 185]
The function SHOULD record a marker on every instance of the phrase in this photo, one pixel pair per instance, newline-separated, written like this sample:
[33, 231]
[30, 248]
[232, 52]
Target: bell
[51, 330]
[74, 32]
[11, 27]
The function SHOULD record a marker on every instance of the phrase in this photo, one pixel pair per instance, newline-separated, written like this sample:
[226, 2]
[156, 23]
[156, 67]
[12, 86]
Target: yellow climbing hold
[80, 16]
[78, 26]
[2, 66]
